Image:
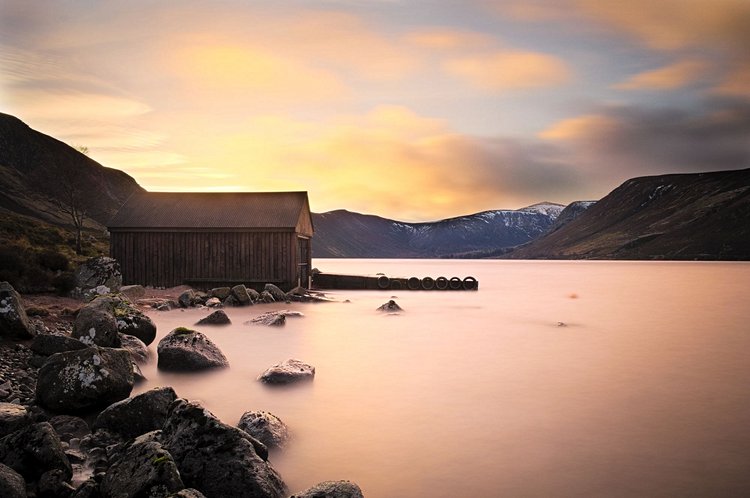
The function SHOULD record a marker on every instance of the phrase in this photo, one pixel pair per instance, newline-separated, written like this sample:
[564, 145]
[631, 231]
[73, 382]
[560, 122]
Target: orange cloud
[250, 71]
[450, 39]
[676, 24]
[579, 128]
[737, 82]
[666, 78]
[391, 161]
[510, 70]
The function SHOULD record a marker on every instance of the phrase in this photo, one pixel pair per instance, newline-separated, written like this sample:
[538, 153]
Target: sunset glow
[410, 110]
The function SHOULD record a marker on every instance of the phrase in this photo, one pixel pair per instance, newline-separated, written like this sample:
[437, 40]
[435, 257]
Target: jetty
[382, 282]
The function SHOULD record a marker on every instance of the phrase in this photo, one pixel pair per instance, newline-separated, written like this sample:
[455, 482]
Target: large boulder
[14, 323]
[34, 450]
[12, 484]
[134, 322]
[78, 381]
[287, 372]
[98, 276]
[331, 489]
[129, 319]
[95, 326]
[12, 418]
[142, 469]
[215, 458]
[265, 427]
[187, 350]
[137, 415]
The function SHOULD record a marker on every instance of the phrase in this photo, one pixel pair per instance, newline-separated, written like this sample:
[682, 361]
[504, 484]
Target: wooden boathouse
[205, 240]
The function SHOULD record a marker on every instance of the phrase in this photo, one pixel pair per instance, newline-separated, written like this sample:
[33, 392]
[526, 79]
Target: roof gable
[211, 210]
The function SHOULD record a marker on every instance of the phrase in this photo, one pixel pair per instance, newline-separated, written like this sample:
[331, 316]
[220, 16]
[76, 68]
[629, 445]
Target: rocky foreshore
[69, 427]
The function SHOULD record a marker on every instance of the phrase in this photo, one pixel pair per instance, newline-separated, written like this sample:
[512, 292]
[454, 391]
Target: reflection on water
[643, 392]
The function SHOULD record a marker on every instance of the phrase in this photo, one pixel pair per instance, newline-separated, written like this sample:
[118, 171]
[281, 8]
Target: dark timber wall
[207, 258]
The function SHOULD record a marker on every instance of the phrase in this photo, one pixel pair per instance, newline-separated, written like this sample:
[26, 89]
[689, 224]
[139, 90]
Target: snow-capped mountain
[689, 216]
[352, 235]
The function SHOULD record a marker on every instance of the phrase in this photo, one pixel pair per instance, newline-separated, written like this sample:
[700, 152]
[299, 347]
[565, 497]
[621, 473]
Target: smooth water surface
[554, 379]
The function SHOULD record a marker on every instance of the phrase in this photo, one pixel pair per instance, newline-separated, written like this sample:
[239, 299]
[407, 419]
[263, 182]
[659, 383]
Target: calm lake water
[644, 391]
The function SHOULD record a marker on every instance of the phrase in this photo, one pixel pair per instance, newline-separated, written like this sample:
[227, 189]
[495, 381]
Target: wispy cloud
[669, 77]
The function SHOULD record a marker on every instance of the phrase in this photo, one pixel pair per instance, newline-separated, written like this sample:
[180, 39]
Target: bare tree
[69, 193]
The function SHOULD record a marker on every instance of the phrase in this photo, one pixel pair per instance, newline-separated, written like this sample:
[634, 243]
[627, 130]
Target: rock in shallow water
[265, 427]
[136, 347]
[391, 307]
[331, 489]
[287, 372]
[188, 350]
[215, 458]
[218, 317]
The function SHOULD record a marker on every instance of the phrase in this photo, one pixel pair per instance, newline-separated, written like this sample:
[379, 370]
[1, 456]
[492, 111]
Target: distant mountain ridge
[345, 234]
[676, 217]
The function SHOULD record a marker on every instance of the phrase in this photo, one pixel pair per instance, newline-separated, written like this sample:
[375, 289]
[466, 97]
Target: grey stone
[94, 326]
[278, 294]
[187, 299]
[133, 322]
[287, 372]
[266, 297]
[137, 349]
[265, 427]
[274, 318]
[98, 276]
[12, 484]
[142, 469]
[12, 418]
[213, 302]
[34, 450]
[208, 452]
[390, 307]
[70, 427]
[49, 344]
[218, 317]
[133, 291]
[241, 295]
[54, 484]
[14, 323]
[137, 415]
[77, 381]
[220, 292]
[331, 489]
[188, 493]
[188, 350]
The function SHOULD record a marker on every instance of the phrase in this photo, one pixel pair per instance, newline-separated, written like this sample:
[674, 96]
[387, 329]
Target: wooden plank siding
[170, 258]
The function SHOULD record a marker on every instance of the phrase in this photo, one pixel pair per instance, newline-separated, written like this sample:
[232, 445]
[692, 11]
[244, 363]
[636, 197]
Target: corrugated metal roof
[210, 210]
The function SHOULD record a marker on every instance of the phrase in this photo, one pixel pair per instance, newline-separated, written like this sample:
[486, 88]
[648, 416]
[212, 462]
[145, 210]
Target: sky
[415, 110]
